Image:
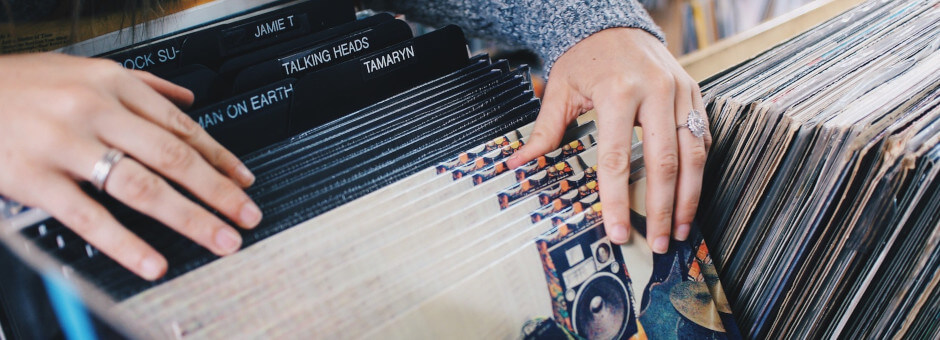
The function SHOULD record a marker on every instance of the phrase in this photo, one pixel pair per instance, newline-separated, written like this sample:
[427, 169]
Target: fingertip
[682, 232]
[180, 96]
[616, 215]
[249, 215]
[228, 241]
[513, 161]
[538, 144]
[619, 233]
[244, 176]
[520, 157]
[660, 244]
[152, 267]
[186, 98]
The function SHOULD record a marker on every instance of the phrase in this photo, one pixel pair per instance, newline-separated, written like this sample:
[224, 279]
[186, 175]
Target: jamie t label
[274, 26]
[265, 31]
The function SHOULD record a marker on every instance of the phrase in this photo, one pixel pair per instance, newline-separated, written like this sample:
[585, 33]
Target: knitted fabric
[548, 28]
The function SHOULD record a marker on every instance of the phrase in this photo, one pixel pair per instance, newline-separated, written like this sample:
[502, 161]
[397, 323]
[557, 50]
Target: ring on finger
[102, 169]
[695, 123]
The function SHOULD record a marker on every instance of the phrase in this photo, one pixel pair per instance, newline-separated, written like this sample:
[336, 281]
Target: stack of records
[389, 210]
[822, 187]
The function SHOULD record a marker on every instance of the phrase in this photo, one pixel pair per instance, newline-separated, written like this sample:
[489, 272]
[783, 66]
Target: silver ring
[99, 175]
[695, 123]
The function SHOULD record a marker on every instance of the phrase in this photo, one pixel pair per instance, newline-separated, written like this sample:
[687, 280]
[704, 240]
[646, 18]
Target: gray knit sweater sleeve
[549, 28]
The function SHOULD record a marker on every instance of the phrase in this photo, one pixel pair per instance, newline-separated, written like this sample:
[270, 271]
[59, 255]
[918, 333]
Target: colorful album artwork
[575, 208]
[592, 291]
[573, 148]
[585, 182]
[493, 159]
[537, 181]
[555, 200]
[471, 155]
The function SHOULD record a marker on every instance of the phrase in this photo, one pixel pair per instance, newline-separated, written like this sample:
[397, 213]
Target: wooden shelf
[747, 44]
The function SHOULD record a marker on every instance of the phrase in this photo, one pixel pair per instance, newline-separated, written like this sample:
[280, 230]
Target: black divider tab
[207, 46]
[238, 63]
[328, 94]
[324, 55]
[251, 120]
[259, 32]
[159, 58]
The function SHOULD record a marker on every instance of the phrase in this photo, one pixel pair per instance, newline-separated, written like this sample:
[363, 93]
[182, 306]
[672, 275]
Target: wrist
[577, 21]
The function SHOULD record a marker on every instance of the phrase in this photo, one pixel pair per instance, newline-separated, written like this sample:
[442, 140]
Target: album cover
[588, 292]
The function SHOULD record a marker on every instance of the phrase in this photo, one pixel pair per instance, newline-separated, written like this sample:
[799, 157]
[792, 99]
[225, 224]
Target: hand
[60, 115]
[629, 77]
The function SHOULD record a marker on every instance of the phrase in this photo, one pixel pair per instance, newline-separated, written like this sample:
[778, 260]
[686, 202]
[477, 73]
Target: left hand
[62, 114]
[631, 79]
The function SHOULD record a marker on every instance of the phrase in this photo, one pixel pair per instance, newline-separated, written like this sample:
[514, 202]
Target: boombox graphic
[678, 295]
[587, 280]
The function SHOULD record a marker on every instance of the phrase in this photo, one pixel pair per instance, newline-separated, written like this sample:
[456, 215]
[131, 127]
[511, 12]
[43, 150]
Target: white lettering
[139, 62]
[167, 54]
[274, 26]
[307, 61]
[346, 48]
[245, 107]
[390, 59]
[277, 95]
[211, 119]
[237, 109]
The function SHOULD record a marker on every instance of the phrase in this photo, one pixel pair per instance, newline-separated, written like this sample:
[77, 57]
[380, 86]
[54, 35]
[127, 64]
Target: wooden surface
[745, 45]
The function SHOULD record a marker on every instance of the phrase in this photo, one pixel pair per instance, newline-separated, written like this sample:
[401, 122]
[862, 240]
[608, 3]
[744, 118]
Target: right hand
[60, 114]
[631, 79]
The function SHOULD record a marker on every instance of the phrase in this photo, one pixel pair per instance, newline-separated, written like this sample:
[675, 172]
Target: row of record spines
[722, 148]
[439, 146]
[280, 188]
[731, 283]
[916, 236]
[888, 209]
[400, 157]
[276, 153]
[335, 144]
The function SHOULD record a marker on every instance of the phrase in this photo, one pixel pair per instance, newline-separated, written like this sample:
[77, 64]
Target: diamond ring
[695, 123]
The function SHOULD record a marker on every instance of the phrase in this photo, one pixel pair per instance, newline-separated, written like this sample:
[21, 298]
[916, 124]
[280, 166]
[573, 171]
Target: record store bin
[381, 148]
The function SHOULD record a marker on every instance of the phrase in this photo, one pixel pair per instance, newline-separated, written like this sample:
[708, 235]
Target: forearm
[549, 28]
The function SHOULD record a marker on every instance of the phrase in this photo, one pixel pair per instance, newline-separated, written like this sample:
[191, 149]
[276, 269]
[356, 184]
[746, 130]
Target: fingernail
[250, 215]
[511, 162]
[246, 176]
[661, 244]
[228, 240]
[618, 233]
[151, 268]
[682, 232]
